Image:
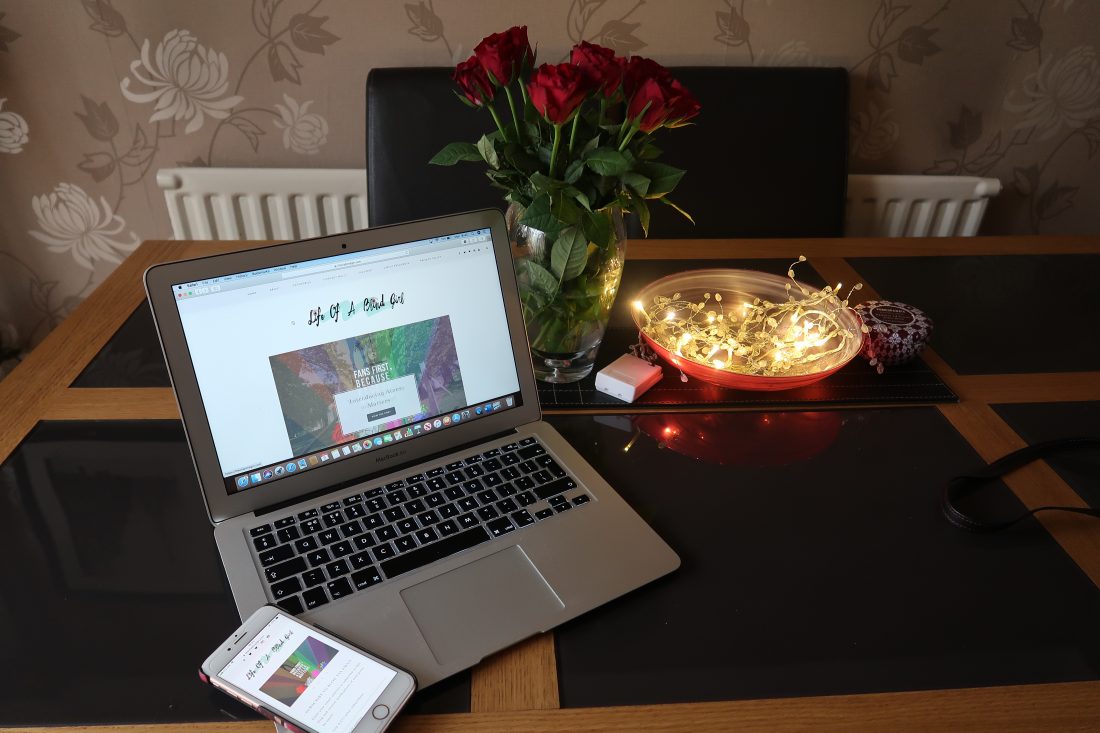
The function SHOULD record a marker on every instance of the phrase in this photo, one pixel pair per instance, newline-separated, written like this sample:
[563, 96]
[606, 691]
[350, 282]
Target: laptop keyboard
[323, 554]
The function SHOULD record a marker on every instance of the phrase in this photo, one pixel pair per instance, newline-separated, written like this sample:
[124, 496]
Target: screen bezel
[222, 505]
[394, 695]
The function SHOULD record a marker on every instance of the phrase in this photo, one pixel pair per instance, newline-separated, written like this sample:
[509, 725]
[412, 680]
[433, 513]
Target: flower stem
[573, 132]
[554, 152]
[496, 119]
[515, 119]
[629, 134]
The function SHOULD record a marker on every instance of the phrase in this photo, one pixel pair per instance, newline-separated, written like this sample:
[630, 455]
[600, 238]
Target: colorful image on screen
[335, 392]
[298, 672]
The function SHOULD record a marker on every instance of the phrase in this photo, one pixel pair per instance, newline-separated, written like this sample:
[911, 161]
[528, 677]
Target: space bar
[436, 551]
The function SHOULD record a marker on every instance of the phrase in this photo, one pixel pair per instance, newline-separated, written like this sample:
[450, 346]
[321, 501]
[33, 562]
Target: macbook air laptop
[362, 413]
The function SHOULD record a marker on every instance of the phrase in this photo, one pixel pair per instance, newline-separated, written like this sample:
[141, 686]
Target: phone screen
[307, 676]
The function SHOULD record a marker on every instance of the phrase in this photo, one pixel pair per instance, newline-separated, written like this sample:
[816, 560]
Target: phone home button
[380, 712]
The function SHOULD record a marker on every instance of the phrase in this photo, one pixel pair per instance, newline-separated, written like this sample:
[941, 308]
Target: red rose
[637, 70]
[502, 55]
[557, 91]
[646, 82]
[603, 68]
[473, 81]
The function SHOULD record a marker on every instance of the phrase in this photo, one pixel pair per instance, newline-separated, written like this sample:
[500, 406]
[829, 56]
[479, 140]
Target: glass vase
[565, 317]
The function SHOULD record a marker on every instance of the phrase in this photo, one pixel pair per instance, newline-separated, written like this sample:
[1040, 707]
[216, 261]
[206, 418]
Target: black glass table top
[1000, 315]
[113, 593]
[816, 561]
[1039, 422]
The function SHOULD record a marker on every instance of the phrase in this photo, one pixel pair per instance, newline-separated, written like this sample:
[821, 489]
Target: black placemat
[113, 593]
[816, 561]
[1003, 314]
[855, 384]
[130, 358]
[1038, 422]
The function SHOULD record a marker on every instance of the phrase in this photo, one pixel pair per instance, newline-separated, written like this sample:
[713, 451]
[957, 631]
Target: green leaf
[565, 210]
[579, 195]
[544, 183]
[574, 171]
[569, 253]
[638, 183]
[518, 156]
[641, 208]
[607, 162]
[682, 212]
[597, 228]
[488, 151]
[538, 278]
[539, 216]
[590, 145]
[663, 178]
[649, 151]
[455, 152]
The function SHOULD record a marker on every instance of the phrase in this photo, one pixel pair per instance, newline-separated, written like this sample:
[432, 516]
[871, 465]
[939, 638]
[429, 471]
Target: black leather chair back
[767, 156]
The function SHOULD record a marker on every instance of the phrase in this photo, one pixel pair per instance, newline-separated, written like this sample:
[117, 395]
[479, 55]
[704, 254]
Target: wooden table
[518, 689]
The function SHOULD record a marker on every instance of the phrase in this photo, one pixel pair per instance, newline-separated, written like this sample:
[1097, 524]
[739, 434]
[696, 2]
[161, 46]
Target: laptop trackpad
[483, 606]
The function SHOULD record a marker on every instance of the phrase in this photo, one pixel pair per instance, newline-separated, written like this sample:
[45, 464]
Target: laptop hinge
[389, 469]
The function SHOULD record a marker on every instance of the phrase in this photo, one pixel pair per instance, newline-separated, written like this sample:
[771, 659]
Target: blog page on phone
[308, 677]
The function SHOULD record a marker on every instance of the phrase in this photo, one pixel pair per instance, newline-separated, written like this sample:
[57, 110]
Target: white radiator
[917, 206]
[263, 203]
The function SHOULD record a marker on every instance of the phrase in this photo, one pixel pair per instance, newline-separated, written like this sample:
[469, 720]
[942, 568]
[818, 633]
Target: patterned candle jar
[896, 332]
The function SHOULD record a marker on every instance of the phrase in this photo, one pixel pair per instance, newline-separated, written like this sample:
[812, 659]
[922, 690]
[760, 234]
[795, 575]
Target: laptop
[362, 414]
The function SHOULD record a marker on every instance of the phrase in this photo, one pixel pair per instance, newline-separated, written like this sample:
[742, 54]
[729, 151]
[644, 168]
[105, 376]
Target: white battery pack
[627, 378]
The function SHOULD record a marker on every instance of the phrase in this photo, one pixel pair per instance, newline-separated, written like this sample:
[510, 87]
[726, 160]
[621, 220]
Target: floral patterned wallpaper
[95, 95]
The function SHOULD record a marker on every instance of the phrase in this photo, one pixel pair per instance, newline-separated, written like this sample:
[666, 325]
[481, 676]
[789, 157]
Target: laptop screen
[312, 362]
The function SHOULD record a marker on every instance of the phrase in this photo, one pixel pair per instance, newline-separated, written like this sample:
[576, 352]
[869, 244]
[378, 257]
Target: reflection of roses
[473, 81]
[557, 91]
[13, 131]
[1063, 91]
[72, 222]
[303, 132]
[187, 80]
[603, 67]
[502, 55]
[874, 133]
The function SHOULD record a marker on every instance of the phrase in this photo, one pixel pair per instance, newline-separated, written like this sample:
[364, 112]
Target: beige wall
[1008, 89]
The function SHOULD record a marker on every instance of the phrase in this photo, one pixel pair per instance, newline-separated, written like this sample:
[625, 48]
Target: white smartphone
[305, 678]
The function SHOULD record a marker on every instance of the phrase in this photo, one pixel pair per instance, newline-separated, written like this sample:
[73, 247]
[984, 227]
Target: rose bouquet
[573, 149]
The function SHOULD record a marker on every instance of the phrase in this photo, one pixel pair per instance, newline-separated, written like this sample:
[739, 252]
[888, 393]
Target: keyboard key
[415, 506]
[427, 518]
[522, 518]
[492, 479]
[353, 499]
[487, 497]
[526, 499]
[436, 484]
[528, 466]
[383, 551]
[393, 514]
[582, 499]
[531, 451]
[436, 499]
[454, 493]
[467, 520]
[500, 526]
[544, 513]
[510, 472]
[372, 493]
[328, 536]
[314, 597]
[288, 587]
[307, 514]
[404, 544]
[333, 518]
[509, 447]
[509, 459]
[447, 528]
[339, 588]
[507, 489]
[436, 551]
[313, 577]
[426, 535]
[287, 534]
[354, 512]
[448, 510]
[318, 557]
[374, 521]
[472, 460]
[417, 490]
[472, 487]
[264, 542]
[351, 529]
[491, 453]
[455, 465]
[340, 549]
[487, 512]
[467, 504]
[542, 476]
[306, 544]
[507, 505]
[454, 478]
[493, 464]
[474, 471]
[285, 522]
[292, 605]
[275, 573]
[558, 499]
[434, 472]
[398, 484]
[563, 507]
[528, 441]
[406, 525]
[366, 577]
[556, 487]
[331, 506]
[364, 541]
[262, 529]
[414, 479]
[396, 498]
[386, 533]
[276, 554]
[523, 483]
[360, 560]
[336, 569]
[311, 526]
[376, 505]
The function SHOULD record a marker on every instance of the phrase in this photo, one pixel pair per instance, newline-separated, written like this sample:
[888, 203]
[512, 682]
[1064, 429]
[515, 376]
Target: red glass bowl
[739, 286]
